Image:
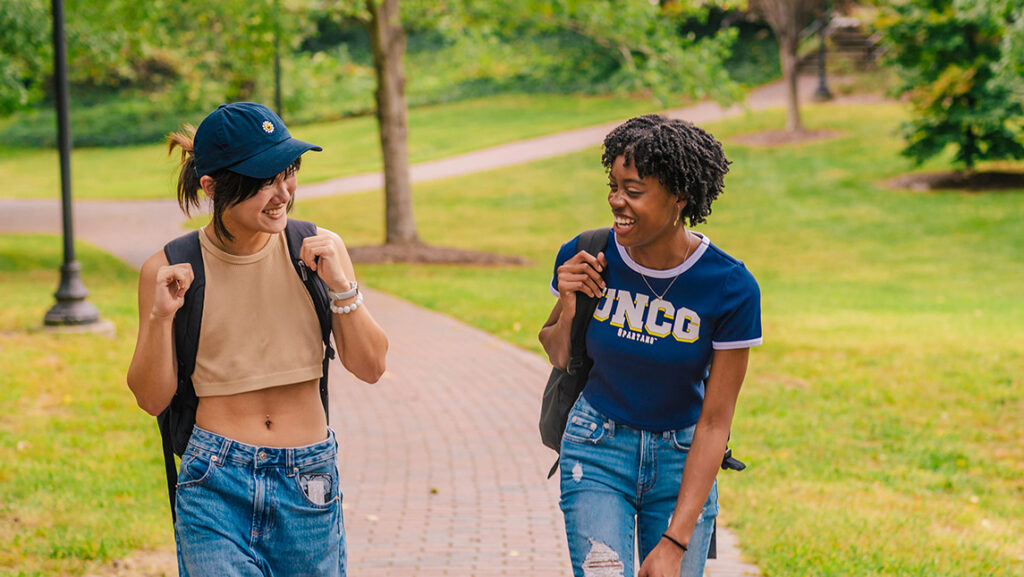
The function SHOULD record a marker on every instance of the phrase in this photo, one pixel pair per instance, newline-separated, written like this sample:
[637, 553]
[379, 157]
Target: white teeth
[274, 211]
[623, 221]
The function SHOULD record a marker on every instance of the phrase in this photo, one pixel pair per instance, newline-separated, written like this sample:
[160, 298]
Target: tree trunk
[969, 149]
[387, 40]
[787, 19]
[787, 54]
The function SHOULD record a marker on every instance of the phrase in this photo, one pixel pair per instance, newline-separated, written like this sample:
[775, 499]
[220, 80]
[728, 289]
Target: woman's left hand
[325, 253]
[664, 561]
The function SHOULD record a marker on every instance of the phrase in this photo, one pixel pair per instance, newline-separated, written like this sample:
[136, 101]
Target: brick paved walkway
[441, 463]
[442, 467]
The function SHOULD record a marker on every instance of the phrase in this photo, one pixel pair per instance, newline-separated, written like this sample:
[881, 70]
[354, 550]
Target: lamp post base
[102, 327]
[71, 307]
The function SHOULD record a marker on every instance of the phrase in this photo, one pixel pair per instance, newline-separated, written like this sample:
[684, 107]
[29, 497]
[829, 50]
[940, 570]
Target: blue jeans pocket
[196, 468]
[584, 429]
[585, 425]
[318, 485]
[682, 439]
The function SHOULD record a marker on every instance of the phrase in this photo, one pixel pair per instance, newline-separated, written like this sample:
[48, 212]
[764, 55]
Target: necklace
[689, 247]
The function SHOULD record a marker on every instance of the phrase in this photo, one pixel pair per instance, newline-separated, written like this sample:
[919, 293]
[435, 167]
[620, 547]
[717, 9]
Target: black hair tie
[665, 535]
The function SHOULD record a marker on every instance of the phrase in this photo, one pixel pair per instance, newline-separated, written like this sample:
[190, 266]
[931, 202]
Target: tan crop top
[259, 327]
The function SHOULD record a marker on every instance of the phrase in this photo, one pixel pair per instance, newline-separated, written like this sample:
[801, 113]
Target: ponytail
[188, 178]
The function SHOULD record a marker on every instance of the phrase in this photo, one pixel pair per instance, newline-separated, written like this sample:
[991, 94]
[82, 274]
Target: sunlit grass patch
[82, 477]
[351, 146]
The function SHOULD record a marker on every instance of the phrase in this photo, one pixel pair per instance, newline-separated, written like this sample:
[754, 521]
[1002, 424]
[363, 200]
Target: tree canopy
[195, 54]
[24, 47]
[960, 62]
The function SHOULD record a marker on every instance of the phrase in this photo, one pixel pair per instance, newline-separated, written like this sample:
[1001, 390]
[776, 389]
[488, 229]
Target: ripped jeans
[619, 486]
[246, 511]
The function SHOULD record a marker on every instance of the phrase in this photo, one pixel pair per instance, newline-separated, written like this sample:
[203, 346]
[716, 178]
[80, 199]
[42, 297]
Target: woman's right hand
[153, 375]
[172, 281]
[580, 273]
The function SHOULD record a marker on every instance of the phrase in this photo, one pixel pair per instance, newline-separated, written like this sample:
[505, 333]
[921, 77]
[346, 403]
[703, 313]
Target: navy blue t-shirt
[651, 356]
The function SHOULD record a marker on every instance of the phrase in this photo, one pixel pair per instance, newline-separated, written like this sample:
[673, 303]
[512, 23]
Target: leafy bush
[326, 85]
[115, 122]
[950, 56]
[22, 49]
[330, 76]
[755, 57]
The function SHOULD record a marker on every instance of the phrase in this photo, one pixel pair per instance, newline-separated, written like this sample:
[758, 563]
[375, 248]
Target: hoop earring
[676, 221]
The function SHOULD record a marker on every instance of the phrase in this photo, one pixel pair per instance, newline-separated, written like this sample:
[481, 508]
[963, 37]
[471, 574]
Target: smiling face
[644, 211]
[264, 212]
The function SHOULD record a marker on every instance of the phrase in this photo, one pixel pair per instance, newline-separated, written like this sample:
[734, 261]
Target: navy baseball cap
[246, 138]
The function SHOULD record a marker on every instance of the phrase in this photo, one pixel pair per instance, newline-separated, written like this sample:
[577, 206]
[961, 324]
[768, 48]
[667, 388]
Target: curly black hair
[687, 161]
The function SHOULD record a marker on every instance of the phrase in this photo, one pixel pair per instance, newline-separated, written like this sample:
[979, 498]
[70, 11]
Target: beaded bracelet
[348, 308]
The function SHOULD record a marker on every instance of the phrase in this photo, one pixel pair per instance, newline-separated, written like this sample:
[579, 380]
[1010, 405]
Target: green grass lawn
[883, 418]
[351, 146]
[77, 486]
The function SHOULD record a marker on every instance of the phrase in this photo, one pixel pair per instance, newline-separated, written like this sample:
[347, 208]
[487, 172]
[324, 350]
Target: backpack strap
[593, 242]
[296, 231]
[184, 249]
[188, 319]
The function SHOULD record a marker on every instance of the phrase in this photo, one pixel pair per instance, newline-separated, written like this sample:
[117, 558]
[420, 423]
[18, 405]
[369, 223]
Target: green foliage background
[168, 61]
[22, 51]
[959, 61]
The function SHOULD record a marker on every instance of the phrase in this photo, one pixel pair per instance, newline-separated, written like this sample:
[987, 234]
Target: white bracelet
[351, 292]
[348, 308]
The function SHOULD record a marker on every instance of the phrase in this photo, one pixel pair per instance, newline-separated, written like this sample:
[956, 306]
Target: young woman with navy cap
[670, 340]
[258, 487]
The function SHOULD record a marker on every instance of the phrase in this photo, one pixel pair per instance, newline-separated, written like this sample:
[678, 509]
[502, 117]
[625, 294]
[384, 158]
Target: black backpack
[565, 386]
[177, 420]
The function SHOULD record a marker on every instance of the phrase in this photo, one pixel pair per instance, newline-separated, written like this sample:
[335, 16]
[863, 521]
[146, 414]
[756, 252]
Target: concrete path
[442, 466]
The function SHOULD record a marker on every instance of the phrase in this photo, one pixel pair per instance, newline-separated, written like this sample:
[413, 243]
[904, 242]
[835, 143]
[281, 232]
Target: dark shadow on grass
[959, 181]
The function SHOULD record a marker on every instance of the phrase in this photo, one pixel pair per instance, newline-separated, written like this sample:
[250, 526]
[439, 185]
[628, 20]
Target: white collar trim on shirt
[666, 273]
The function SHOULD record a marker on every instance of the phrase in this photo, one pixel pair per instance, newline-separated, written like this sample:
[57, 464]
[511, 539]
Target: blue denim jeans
[619, 487]
[254, 511]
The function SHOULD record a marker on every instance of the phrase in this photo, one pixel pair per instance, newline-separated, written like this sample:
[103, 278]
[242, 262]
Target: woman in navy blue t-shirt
[670, 340]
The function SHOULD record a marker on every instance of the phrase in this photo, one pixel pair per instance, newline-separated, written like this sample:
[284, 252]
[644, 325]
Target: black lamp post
[822, 92]
[71, 307]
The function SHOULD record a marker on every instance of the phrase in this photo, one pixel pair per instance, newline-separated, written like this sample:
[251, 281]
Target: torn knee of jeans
[577, 472]
[602, 561]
